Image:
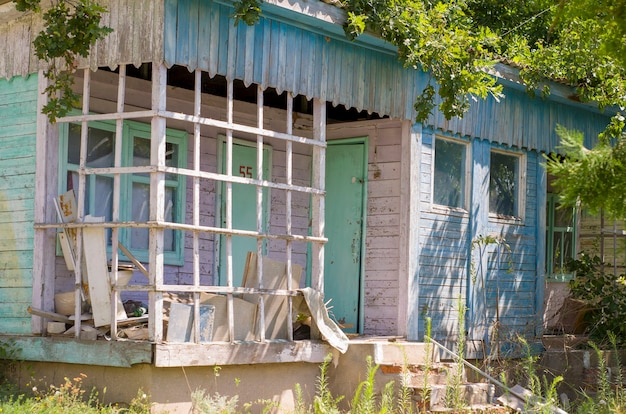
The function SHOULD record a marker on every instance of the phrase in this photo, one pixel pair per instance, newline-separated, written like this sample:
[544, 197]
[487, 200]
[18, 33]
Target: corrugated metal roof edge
[329, 18]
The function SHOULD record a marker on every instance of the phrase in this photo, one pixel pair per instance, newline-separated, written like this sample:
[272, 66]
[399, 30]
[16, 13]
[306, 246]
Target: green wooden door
[244, 207]
[343, 254]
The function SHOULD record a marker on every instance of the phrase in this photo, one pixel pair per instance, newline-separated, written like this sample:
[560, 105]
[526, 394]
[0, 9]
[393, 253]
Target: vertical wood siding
[137, 37]
[282, 52]
[446, 254]
[18, 103]
[382, 238]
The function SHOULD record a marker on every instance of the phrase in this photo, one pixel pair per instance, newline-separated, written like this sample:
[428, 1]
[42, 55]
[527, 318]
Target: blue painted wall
[451, 269]
[290, 51]
[18, 125]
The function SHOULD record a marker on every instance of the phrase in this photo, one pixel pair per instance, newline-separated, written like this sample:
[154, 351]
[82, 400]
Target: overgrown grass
[71, 398]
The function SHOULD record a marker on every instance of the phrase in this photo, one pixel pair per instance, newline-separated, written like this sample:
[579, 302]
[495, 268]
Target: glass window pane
[141, 155]
[449, 179]
[504, 184]
[100, 147]
[141, 213]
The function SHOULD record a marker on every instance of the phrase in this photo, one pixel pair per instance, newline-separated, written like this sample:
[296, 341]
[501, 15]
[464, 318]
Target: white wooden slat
[45, 190]
[242, 128]
[259, 210]
[80, 214]
[186, 227]
[115, 213]
[289, 174]
[196, 200]
[157, 200]
[319, 179]
[229, 203]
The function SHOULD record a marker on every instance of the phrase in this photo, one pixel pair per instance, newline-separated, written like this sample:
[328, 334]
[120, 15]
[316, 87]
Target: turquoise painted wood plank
[16, 167]
[16, 278]
[18, 84]
[14, 310]
[15, 326]
[20, 181]
[16, 243]
[517, 120]
[170, 11]
[25, 96]
[204, 33]
[17, 216]
[17, 205]
[17, 260]
[16, 295]
[17, 107]
[15, 130]
[186, 32]
[16, 152]
[15, 196]
[104, 353]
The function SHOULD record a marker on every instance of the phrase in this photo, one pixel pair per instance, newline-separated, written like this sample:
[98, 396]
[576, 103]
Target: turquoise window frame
[552, 274]
[130, 130]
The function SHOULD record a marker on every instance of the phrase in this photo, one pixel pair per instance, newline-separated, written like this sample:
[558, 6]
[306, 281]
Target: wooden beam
[409, 312]
[69, 350]
[239, 353]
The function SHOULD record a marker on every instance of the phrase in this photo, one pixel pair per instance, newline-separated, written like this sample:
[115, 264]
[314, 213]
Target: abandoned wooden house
[218, 170]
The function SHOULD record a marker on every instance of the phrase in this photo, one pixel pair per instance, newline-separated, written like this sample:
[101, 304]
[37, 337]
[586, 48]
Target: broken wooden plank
[245, 314]
[49, 315]
[133, 259]
[276, 308]
[97, 274]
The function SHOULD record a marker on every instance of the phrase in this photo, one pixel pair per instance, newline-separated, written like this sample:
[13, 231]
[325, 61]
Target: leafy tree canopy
[578, 42]
[70, 29]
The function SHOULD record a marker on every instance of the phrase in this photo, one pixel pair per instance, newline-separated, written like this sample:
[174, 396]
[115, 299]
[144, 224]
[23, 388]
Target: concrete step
[470, 394]
[418, 375]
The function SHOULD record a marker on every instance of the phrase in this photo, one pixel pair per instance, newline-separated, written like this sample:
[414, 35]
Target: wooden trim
[157, 200]
[239, 353]
[45, 189]
[409, 316]
[68, 350]
[317, 205]
[540, 252]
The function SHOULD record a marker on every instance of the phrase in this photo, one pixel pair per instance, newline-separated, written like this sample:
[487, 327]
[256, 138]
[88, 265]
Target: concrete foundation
[169, 389]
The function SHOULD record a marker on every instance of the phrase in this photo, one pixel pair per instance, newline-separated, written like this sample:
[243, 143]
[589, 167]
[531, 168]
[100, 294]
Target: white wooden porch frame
[157, 224]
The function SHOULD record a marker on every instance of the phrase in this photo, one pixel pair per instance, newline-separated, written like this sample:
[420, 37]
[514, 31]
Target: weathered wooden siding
[363, 75]
[444, 240]
[605, 238]
[137, 37]
[446, 256]
[382, 238]
[18, 126]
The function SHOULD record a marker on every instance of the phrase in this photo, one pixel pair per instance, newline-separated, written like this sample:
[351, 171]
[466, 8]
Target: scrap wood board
[274, 277]
[96, 271]
[244, 314]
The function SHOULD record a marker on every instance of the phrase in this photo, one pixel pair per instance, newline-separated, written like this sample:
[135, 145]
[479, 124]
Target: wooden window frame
[130, 131]
[466, 177]
[520, 204]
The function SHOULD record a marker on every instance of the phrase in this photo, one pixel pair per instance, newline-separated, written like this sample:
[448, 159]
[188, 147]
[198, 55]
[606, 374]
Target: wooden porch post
[408, 284]
[157, 201]
[319, 182]
[45, 190]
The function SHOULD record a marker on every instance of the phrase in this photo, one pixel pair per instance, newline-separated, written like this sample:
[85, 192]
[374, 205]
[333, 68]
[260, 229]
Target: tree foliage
[70, 29]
